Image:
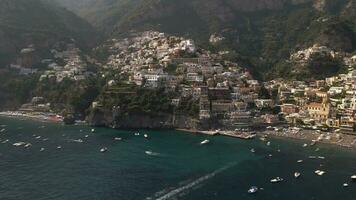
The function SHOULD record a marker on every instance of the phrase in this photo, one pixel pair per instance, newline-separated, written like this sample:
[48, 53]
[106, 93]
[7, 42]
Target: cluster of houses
[226, 93]
[320, 104]
[223, 90]
[67, 63]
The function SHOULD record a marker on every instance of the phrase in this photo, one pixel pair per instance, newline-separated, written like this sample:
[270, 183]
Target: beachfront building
[319, 111]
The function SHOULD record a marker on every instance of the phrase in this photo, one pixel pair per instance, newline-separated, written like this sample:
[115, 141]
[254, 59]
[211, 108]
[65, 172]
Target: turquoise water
[178, 168]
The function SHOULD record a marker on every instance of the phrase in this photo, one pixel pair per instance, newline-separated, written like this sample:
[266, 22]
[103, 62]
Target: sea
[59, 162]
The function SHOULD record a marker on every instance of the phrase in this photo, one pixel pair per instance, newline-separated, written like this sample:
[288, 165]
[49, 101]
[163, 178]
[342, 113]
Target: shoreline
[312, 136]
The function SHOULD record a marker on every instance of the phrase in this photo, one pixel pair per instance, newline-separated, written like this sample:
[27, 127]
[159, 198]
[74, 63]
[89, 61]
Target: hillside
[25, 22]
[262, 33]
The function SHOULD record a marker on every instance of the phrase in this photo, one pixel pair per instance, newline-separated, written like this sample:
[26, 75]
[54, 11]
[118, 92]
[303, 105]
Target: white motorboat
[305, 145]
[59, 147]
[92, 130]
[18, 144]
[42, 149]
[137, 134]
[78, 140]
[297, 174]
[146, 136]
[276, 180]
[204, 142]
[353, 177]
[104, 149]
[252, 190]
[268, 143]
[28, 145]
[345, 185]
[320, 172]
[118, 138]
[299, 161]
[253, 150]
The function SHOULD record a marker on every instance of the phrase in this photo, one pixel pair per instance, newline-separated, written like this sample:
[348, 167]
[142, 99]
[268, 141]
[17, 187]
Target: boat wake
[180, 190]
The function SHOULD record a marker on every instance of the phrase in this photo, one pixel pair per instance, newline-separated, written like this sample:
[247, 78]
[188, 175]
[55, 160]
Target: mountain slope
[24, 22]
[263, 32]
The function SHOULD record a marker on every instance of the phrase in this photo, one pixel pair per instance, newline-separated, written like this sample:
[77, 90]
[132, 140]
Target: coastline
[311, 136]
[43, 117]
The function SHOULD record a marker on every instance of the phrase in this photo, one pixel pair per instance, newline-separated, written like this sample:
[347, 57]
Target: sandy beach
[313, 137]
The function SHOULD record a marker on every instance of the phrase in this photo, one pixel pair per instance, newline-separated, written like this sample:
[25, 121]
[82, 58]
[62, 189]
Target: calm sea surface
[176, 166]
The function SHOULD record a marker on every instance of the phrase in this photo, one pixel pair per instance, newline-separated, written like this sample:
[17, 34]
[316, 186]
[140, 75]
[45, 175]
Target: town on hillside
[222, 95]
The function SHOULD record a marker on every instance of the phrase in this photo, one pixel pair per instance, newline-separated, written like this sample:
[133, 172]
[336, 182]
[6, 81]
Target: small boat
[28, 145]
[78, 140]
[38, 137]
[5, 141]
[299, 161]
[86, 136]
[253, 150]
[204, 142]
[137, 134]
[146, 136]
[18, 144]
[102, 150]
[320, 172]
[305, 145]
[345, 185]
[59, 147]
[2, 130]
[92, 130]
[252, 190]
[42, 149]
[118, 138]
[321, 157]
[297, 174]
[276, 180]
[353, 177]
[268, 143]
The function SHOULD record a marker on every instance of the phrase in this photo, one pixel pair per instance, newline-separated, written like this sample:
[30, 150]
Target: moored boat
[104, 149]
[252, 190]
[276, 180]
[353, 177]
[297, 174]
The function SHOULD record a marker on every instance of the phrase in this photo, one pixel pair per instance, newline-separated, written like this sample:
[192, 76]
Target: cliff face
[138, 121]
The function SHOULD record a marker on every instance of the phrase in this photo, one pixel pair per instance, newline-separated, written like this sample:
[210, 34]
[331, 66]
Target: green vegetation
[25, 22]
